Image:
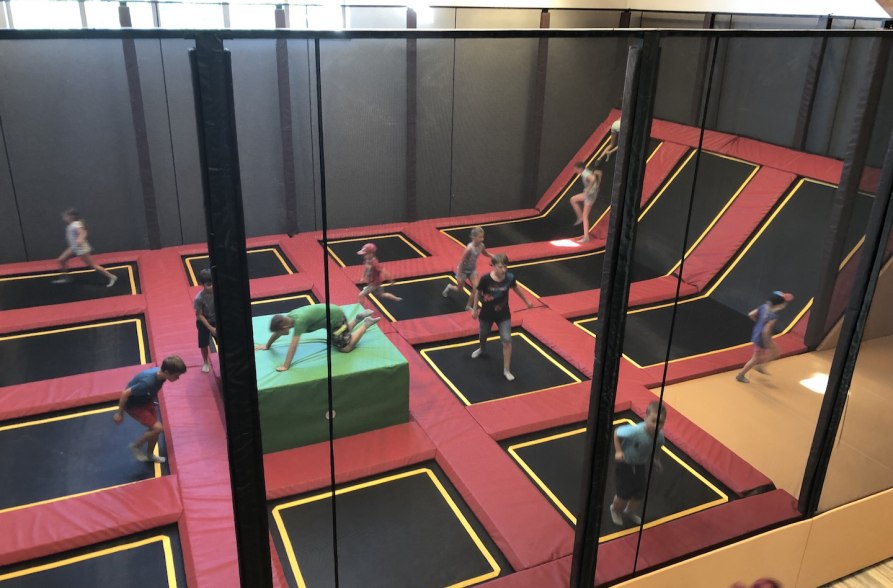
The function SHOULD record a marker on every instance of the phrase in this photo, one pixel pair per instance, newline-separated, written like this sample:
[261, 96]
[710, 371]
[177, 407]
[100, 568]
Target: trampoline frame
[292, 557]
[137, 321]
[520, 334]
[724, 498]
[193, 281]
[129, 266]
[384, 309]
[368, 238]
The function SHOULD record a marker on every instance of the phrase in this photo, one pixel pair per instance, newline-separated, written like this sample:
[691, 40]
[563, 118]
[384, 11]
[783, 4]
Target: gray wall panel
[493, 80]
[69, 133]
[434, 130]
[854, 77]
[184, 138]
[497, 18]
[827, 95]
[679, 70]
[258, 129]
[364, 126]
[584, 19]
[12, 244]
[376, 17]
[303, 111]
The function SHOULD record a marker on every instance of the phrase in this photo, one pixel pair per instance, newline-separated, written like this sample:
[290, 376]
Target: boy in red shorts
[138, 400]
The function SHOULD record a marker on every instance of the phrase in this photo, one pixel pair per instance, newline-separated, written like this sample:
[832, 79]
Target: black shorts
[630, 480]
[341, 335]
[204, 335]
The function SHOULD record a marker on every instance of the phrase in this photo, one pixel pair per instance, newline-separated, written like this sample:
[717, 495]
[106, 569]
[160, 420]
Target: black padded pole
[140, 131]
[847, 191]
[285, 125]
[225, 223]
[534, 138]
[877, 238]
[811, 85]
[638, 102]
[701, 70]
[412, 120]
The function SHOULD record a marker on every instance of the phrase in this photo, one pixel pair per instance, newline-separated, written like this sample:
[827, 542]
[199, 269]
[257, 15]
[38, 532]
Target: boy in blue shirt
[138, 400]
[633, 446]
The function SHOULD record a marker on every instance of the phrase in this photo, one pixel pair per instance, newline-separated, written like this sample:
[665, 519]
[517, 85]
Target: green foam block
[370, 387]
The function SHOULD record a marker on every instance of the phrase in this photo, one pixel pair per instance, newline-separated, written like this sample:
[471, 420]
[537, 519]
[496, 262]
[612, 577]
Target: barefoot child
[764, 347]
[493, 292]
[138, 401]
[205, 317]
[76, 235]
[633, 445]
[582, 202]
[374, 275]
[468, 265]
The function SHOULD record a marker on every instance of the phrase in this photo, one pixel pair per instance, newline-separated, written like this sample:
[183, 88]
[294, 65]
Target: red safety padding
[432, 240]
[277, 286]
[60, 393]
[553, 574]
[736, 226]
[696, 532]
[70, 523]
[305, 252]
[408, 268]
[730, 469]
[50, 265]
[57, 315]
[307, 468]
[572, 343]
[438, 328]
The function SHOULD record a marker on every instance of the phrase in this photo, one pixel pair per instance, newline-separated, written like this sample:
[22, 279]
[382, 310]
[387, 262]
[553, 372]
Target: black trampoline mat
[391, 247]
[553, 460]
[72, 349]
[46, 458]
[281, 304]
[706, 324]
[421, 297]
[38, 289]
[535, 367]
[263, 262]
[147, 560]
[406, 528]
[557, 221]
[561, 275]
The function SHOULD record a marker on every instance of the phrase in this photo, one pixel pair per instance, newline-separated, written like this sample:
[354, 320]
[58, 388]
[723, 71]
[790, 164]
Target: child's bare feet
[579, 221]
[584, 239]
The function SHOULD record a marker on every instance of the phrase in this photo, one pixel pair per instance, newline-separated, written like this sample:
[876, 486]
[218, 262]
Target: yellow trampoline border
[163, 539]
[738, 257]
[193, 281]
[156, 467]
[307, 297]
[292, 557]
[424, 353]
[49, 274]
[384, 309]
[400, 236]
[138, 323]
[512, 450]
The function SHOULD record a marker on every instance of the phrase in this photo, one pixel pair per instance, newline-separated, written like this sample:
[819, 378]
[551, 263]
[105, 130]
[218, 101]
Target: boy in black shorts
[633, 446]
[205, 317]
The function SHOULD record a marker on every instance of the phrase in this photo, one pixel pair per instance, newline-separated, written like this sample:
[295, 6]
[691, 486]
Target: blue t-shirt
[144, 387]
[636, 443]
[764, 315]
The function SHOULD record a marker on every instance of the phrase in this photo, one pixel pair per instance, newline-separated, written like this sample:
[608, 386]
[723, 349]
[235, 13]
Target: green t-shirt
[313, 317]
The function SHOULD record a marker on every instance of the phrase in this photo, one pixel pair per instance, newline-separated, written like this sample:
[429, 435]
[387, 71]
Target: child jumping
[582, 202]
[374, 275]
[764, 347]
[76, 235]
[138, 401]
[493, 292]
[468, 265]
[633, 445]
[205, 318]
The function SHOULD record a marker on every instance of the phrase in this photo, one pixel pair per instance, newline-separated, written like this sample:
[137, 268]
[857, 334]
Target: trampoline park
[410, 459]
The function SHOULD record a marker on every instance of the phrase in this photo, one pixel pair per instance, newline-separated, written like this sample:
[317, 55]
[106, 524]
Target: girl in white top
[468, 265]
[76, 236]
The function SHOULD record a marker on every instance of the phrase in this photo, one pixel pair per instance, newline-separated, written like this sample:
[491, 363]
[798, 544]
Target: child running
[764, 347]
[205, 317]
[582, 202]
[633, 446]
[493, 292]
[374, 275]
[76, 235]
[138, 401]
[468, 265]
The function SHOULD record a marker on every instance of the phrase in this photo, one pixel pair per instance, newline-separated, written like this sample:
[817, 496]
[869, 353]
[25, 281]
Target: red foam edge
[693, 533]
[303, 469]
[88, 519]
[85, 311]
[553, 574]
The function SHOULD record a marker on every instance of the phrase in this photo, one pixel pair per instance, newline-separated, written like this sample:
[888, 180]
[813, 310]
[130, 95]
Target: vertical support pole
[83, 10]
[412, 121]
[625, 18]
[877, 238]
[224, 219]
[701, 72]
[283, 79]
[847, 190]
[811, 85]
[638, 103]
[534, 138]
[140, 131]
